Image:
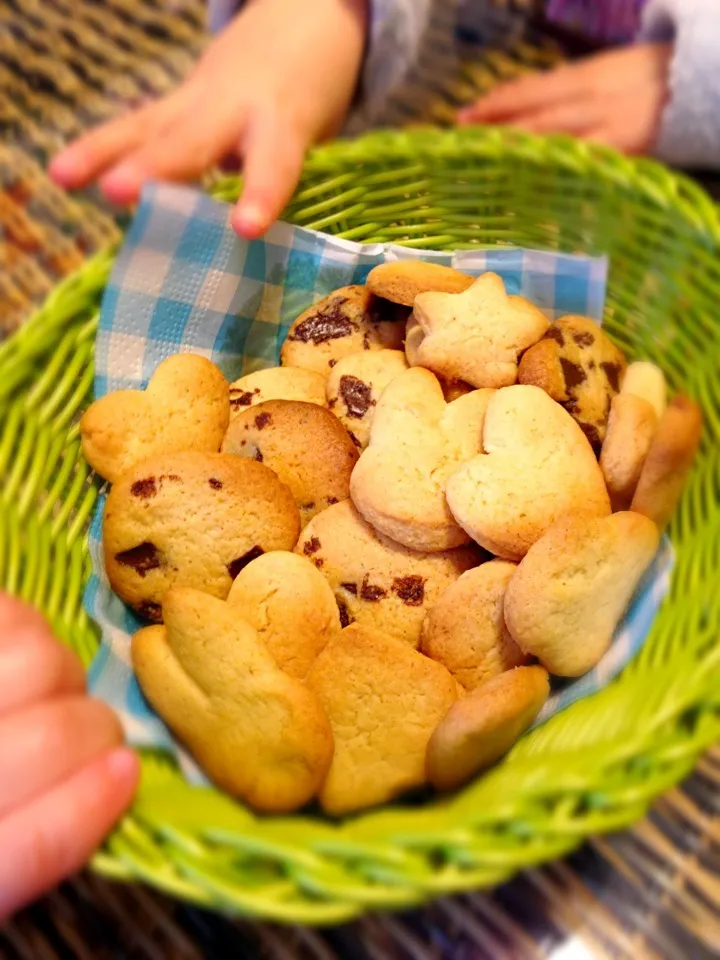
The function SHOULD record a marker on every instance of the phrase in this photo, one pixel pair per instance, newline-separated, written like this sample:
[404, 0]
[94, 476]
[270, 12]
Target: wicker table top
[653, 891]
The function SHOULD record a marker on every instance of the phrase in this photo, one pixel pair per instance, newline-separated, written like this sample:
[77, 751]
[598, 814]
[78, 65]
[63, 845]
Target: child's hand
[281, 76]
[64, 776]
[615, 97]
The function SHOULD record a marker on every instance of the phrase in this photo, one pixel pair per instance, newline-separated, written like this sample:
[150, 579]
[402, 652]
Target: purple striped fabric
[609, 21]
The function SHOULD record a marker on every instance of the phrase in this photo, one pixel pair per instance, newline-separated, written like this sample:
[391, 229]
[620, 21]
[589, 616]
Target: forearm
[690, 129]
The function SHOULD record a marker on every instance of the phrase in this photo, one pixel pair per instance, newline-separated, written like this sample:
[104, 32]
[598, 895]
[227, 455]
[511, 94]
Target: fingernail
[249, 221]
[122, 184]
[122, 764]
[64, 169]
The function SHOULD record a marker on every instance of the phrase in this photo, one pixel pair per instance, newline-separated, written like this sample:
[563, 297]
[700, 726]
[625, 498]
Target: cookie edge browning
[354, 638]
[669, 461]
[480, 728]
[93, 422]
[401, 281]
[557, 550]
[257, 795]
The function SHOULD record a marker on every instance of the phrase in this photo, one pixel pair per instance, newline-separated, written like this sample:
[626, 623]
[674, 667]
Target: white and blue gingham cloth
[184, 282]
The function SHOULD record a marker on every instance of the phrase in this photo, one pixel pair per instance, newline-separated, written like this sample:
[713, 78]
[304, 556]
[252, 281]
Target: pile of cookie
[361, 567]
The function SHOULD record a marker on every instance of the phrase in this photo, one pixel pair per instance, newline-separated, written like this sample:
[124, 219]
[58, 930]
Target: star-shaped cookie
[477, 335]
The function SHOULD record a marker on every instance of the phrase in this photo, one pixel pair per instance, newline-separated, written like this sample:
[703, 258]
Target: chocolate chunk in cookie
[580, 367]
[347, 321]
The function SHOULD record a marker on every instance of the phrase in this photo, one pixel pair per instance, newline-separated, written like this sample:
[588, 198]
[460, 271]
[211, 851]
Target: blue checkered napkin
[184, 282]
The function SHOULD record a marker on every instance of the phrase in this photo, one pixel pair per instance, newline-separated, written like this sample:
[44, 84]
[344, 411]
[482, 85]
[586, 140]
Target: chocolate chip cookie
[580, 367]
[354, 387]
[304, 444]
[347, 321]
[192, 520]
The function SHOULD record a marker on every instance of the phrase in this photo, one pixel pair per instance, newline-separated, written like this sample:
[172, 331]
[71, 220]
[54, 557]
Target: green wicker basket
[594, 767]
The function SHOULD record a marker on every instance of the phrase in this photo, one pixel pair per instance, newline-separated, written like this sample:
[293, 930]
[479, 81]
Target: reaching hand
[273, 82]
[615, 97]
[64, 776]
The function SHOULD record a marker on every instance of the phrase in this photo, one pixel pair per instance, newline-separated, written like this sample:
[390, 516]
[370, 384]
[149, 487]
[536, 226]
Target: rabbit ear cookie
[258, 733]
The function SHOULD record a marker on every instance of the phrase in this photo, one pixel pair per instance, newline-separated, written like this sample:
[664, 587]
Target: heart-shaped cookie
[537, 466]
[186, 407]
[258, 733]
[416, 441]
[565, 599]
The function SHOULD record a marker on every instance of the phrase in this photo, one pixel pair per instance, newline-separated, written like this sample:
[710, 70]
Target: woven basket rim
[536, 805]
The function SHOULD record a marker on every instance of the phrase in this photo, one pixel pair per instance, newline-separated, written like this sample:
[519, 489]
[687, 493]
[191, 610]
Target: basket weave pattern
[593, 768]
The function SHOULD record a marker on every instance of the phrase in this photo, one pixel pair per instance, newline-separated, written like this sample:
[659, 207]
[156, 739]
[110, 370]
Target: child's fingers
[52, 837]
[90, 155]
[575, 117]
[273, 154]
[529, 93]
[34, 666]
[184, 150]
[44, 744]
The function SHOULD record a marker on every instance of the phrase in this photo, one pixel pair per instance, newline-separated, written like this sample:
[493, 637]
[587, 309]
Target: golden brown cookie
[481, 727]
[276, 383]
[630, 429]
[192, 520]
[403, 280]
[291, 607]
[354, 387]
[567, 596]
[416, 442]
[477, 335]
[579, 366]
[537, 466]
[375, 580]
[347, 321]
[668, 462]
[646, 380]
[465, 630]
[304, 444]
[185, 407]
[384, 700]
[257, 733]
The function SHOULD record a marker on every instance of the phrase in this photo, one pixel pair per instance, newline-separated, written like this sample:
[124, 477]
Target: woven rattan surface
[652, 891]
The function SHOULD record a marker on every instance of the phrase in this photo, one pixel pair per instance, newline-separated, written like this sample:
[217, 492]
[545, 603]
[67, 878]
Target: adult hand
[64, 776]
[616, 97]
[275, 80]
